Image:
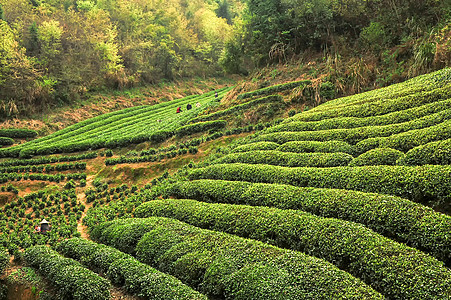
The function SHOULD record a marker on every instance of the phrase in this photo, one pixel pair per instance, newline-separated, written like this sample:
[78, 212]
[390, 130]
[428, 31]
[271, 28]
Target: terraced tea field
[349, 200]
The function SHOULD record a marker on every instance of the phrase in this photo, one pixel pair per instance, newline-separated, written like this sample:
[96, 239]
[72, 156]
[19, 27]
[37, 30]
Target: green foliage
[405, 221]
[71, 279]
[133, 125]
[4, 260]
[219, 263]
[232, 58]
[331, 146]
[378, 156]
[349, 246]
[274, 157]
[6, 141]
[256, 146]
[427, 184]
[200, 127]
[18, 133]
[353, 122]
[407, 140]
[374, 36]
[434, 153]
[138, 278]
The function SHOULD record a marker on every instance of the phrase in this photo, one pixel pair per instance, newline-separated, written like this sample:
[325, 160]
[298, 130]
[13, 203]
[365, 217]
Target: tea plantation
[348, 200]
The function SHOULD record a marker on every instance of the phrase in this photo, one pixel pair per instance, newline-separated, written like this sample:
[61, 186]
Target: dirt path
[81, 197]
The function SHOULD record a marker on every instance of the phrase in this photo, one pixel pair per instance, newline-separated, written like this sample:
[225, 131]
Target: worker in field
[179, 109]
[198, 104]
[216, 96]
[188, 106]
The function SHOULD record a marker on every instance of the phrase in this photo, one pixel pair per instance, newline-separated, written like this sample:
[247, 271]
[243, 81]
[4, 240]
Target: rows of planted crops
[348, 200]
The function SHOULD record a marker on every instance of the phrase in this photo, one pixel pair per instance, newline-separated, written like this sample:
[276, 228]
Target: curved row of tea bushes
[393, 269]
[154, 123]
[44, 168]
[274, 157]
[314, 146]
[274, 89]
[407, 140]
[355, 135]
[5, 177]
[123, 269]
[434, 153]
[378, 156]
[229, 267]
[406, 221]
[200, 127]
[71, 279]
[47, 160]
[237, 108]
[353, 122]
[381, 107]
[17, 133]
[6, 141]
[427, 184]
[256, 146]
[417, 84]
[150, 158]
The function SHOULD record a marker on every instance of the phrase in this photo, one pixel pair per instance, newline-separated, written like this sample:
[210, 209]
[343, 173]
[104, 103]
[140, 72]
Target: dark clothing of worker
[216, 95]
[188, 106]
[179, 109]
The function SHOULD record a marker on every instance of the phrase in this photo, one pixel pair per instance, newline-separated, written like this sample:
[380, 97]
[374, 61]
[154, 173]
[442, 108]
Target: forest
[54, 52]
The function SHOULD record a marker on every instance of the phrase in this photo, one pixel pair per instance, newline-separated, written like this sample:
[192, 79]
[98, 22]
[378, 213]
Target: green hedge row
[44, 168]
[256, 146]
[224, 266]
[71, 279]
[381, 107]
[378, 156]
[274, 89]
[397, 271]
[46, 160]
[407, 140]
[18, 133]
[417, 84]
[150, 158]
[274, 157]
[434, 153]
[314, 146]
[355, 135]
[45, 177]
[237, 108]
[156, 137]
[122, 269]
[426, 184]
[200, 127]
[406, 221]
[6, 141]
[353, 122]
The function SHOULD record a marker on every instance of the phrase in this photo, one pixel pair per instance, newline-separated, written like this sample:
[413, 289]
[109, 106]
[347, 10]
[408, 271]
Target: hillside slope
[350, 199]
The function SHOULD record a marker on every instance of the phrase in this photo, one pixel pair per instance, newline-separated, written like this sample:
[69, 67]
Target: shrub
[353, 122]
[354, 135]
[426, 184]
[313, 146]
[18, 133]
[71, 279]
[385, 265]
[225, 266]
[123, 269]
[378, 105]
[6, 141]
[378, 156]
[434, 153]
[273, 157]
[200, 127]
[407, 140]
[4, 259]
[256, 146]
[406, 221]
